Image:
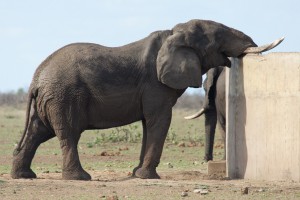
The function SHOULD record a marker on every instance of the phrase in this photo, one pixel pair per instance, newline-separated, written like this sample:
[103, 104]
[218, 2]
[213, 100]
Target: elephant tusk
[265, 47]
[196, 115]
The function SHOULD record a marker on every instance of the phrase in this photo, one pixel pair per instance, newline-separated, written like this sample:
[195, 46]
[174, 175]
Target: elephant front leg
[143, 149]
[72, 169]
[157, 129]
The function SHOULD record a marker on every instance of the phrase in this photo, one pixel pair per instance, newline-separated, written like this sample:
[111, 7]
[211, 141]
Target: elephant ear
[178, 65]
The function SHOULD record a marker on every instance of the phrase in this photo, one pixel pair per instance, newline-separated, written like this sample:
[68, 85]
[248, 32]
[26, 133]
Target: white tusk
[265, 47]
[198, 114]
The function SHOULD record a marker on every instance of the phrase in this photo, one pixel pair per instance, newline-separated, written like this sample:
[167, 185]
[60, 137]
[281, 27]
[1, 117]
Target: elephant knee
[38, 127]
[37, 132]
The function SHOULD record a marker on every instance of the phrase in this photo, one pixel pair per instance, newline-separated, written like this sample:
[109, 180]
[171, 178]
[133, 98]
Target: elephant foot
[76, 175]
[144, 173]
[208, 158]
[21, 173]
[134, 170]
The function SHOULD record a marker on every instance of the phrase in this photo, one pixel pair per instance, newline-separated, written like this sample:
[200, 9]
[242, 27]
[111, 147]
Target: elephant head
[213, 75]
[195, 47]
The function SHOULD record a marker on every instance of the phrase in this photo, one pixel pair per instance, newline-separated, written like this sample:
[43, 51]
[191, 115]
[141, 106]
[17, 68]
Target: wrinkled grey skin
[88, 86]
[215, 109]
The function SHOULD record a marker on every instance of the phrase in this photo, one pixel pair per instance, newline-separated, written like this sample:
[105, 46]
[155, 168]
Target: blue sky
[31, 30]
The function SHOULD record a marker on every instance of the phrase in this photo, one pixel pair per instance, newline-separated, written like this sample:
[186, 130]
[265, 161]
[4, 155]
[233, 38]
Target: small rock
[184, 194]
[197, 191]
[181, 144]
[124, 149]
[170, 165]
[46, 172]
[192, 144]
[261, 190]
[115, 197]
[201, 191]
[103, 153]
[204, 192]
[245, 190]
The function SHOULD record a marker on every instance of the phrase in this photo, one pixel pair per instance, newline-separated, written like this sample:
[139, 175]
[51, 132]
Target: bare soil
[174, 184]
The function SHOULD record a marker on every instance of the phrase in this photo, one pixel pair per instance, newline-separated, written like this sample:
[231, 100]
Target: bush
[14, 99]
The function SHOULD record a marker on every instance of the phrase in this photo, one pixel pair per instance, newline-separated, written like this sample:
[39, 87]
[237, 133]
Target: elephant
[85, 86]
[214, 109]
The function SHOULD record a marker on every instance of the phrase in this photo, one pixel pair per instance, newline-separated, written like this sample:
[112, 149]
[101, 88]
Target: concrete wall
[263, 117]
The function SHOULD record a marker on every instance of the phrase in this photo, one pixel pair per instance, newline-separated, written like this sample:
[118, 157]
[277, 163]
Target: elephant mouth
[227, 62]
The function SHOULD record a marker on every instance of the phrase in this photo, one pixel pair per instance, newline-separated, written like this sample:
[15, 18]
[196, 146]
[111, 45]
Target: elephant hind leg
[36, 134]
[68, 120]
[72, 169]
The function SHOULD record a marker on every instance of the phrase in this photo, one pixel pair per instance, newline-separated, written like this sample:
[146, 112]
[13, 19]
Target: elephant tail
[196, 115]
[18, 148]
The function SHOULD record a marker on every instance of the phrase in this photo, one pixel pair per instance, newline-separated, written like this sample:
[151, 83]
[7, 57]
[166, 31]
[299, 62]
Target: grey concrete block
[216, 168]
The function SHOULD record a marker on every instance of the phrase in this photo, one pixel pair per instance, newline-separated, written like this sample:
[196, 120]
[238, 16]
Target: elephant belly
[114, 111]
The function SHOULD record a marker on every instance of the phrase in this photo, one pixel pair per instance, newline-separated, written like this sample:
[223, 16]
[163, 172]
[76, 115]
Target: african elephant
[214, 109]
[88, 86]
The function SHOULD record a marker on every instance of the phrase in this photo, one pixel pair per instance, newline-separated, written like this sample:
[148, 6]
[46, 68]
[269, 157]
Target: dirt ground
[113, 185]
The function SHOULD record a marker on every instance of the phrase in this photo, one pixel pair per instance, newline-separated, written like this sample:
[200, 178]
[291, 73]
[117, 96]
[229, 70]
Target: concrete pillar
[263, 117]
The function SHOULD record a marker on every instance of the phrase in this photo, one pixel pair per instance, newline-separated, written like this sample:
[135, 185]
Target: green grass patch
[123, 143]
